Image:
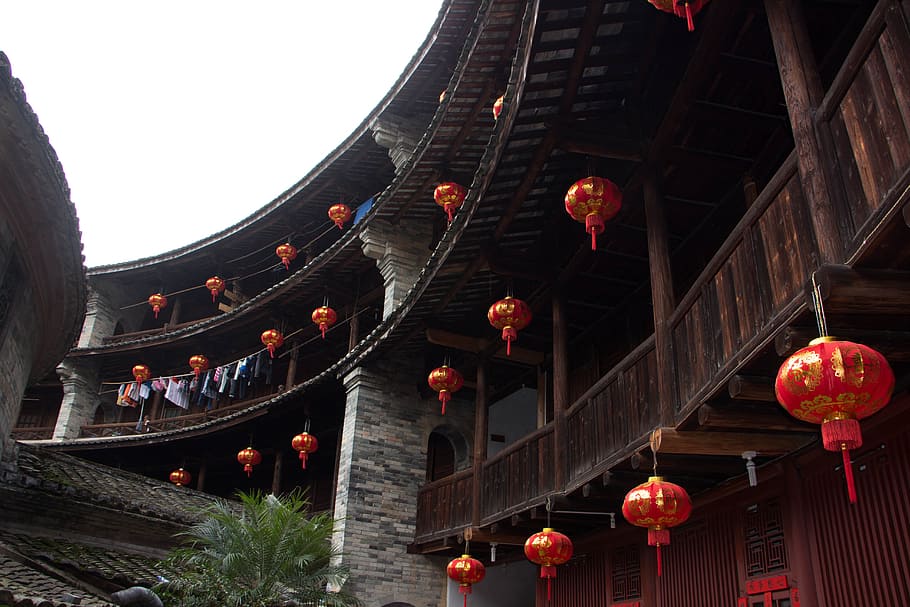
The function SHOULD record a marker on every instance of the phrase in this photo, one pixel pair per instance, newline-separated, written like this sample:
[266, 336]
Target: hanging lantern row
[593, 201]
[657, 505]
[835, 383]
[548, 548]
[450, 196]
[181, 477]
[340, 214]
[324, 317]
[465, 571]
[306, 444]
[446, 381]
[684, 9]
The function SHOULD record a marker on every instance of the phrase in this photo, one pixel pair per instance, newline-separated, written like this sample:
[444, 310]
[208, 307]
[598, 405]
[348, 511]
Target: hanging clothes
[178, 393]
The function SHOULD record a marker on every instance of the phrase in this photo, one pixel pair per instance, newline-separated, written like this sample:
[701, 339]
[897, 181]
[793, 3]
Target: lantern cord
[549, 509]
[306, 425]
[820, 319]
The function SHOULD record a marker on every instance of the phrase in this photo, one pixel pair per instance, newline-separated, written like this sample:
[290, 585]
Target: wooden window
[766, 548]
[625, 566]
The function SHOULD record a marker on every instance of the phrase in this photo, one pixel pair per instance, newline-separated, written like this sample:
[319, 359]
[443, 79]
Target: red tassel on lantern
[548, 549]
[835, 383]
[681, 8]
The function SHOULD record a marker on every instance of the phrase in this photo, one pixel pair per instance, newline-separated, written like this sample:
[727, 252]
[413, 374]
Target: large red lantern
[324, 317]
[511, 315]
[684, 9]
[199, 363]
[181, 477]
[215, 285]
[593, 201]
[657, 505]
[548, 549]
[287, 253]
[306, 443]
[158, 303]
[465, 571]
[447, 381]
[340, 214]
[497, 108]
[835, 383]
[450, 196]
[272, 339]
[141, 373]
[249, 457]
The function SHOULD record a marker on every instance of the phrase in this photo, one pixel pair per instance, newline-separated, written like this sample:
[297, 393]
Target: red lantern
[305, 443]
[340, 214]
[657, 505]
[685, 9]
[447, 381]
[449, 196]
[511, 315]
[181, 477]
[593, 201]
[199, 363]
[465, 571]
[141, 373]
[835, 384]
[158, 302]
[215, 285]
[272, 339]
[325, 317]
[497, 108]
[249, 457]
[288, 253]
[548, 549]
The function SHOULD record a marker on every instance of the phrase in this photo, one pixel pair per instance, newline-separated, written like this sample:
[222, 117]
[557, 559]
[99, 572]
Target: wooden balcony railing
[519, 475]
[166, 423]
[37, 433]
[444, 504]
[616, 413]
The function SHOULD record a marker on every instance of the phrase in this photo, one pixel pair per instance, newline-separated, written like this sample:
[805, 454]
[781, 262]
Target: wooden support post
[541, 396]
[750, 190]
[353, 328]
[798, 522]
[200, 477]
[276, 472]
[175, 312]
[480, 442]
[803, 93]
[155, 413]
[560, 388]
[661, 296]
[292, 367]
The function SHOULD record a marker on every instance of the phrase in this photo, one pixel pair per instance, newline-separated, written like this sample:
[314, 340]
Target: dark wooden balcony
[752, 289]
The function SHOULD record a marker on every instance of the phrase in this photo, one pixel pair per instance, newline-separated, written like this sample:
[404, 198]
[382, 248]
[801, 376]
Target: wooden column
[798, 521]
[200, 477]
[481, 431]
[354, 328]
[541, 396]
[661, 296]
[292, 367]
[155, 413]
[803, 93]
[276, 473]
[175, 313]
[560, 387]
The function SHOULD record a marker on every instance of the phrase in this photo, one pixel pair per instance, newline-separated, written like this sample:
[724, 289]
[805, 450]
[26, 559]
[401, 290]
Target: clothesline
[255, 353]
[244, 277]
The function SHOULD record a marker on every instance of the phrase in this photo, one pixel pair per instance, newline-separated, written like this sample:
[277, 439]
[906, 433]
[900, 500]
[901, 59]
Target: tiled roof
[22, 586]
[94, 483]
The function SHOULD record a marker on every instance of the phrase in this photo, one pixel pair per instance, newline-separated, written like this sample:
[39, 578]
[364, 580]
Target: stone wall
[17, 336]
[382, 465]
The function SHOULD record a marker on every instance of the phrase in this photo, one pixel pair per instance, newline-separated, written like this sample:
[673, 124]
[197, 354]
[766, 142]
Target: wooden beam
[849, 291]
[730, 444]
[894, 345]
[476, 345]
[750, 418]
[742, 387]
[478, 534]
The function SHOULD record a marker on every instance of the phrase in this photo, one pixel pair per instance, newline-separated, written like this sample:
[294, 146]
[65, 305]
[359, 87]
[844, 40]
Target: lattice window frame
[625, 573]
[764, 540]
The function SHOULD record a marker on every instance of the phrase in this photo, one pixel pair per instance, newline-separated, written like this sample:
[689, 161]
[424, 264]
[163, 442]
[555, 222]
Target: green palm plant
[267, 552]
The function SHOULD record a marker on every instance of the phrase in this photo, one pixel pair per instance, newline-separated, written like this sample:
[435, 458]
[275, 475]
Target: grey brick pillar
[399, 135]
[400, 251]
[100, 320]
[80, 399]
[382, 465]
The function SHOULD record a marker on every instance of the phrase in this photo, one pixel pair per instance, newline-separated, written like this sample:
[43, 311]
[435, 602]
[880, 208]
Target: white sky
[175, 119]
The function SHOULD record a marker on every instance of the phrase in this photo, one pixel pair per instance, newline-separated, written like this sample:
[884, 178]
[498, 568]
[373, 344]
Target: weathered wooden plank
[895, 48]
[891, 122]
[854, 197]
[726, 324]
[862, 144]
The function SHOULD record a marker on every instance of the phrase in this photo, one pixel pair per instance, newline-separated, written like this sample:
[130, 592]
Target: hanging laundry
[178, 393]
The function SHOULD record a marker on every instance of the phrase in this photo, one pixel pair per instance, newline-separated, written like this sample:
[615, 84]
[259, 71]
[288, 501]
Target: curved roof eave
[361, 130]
